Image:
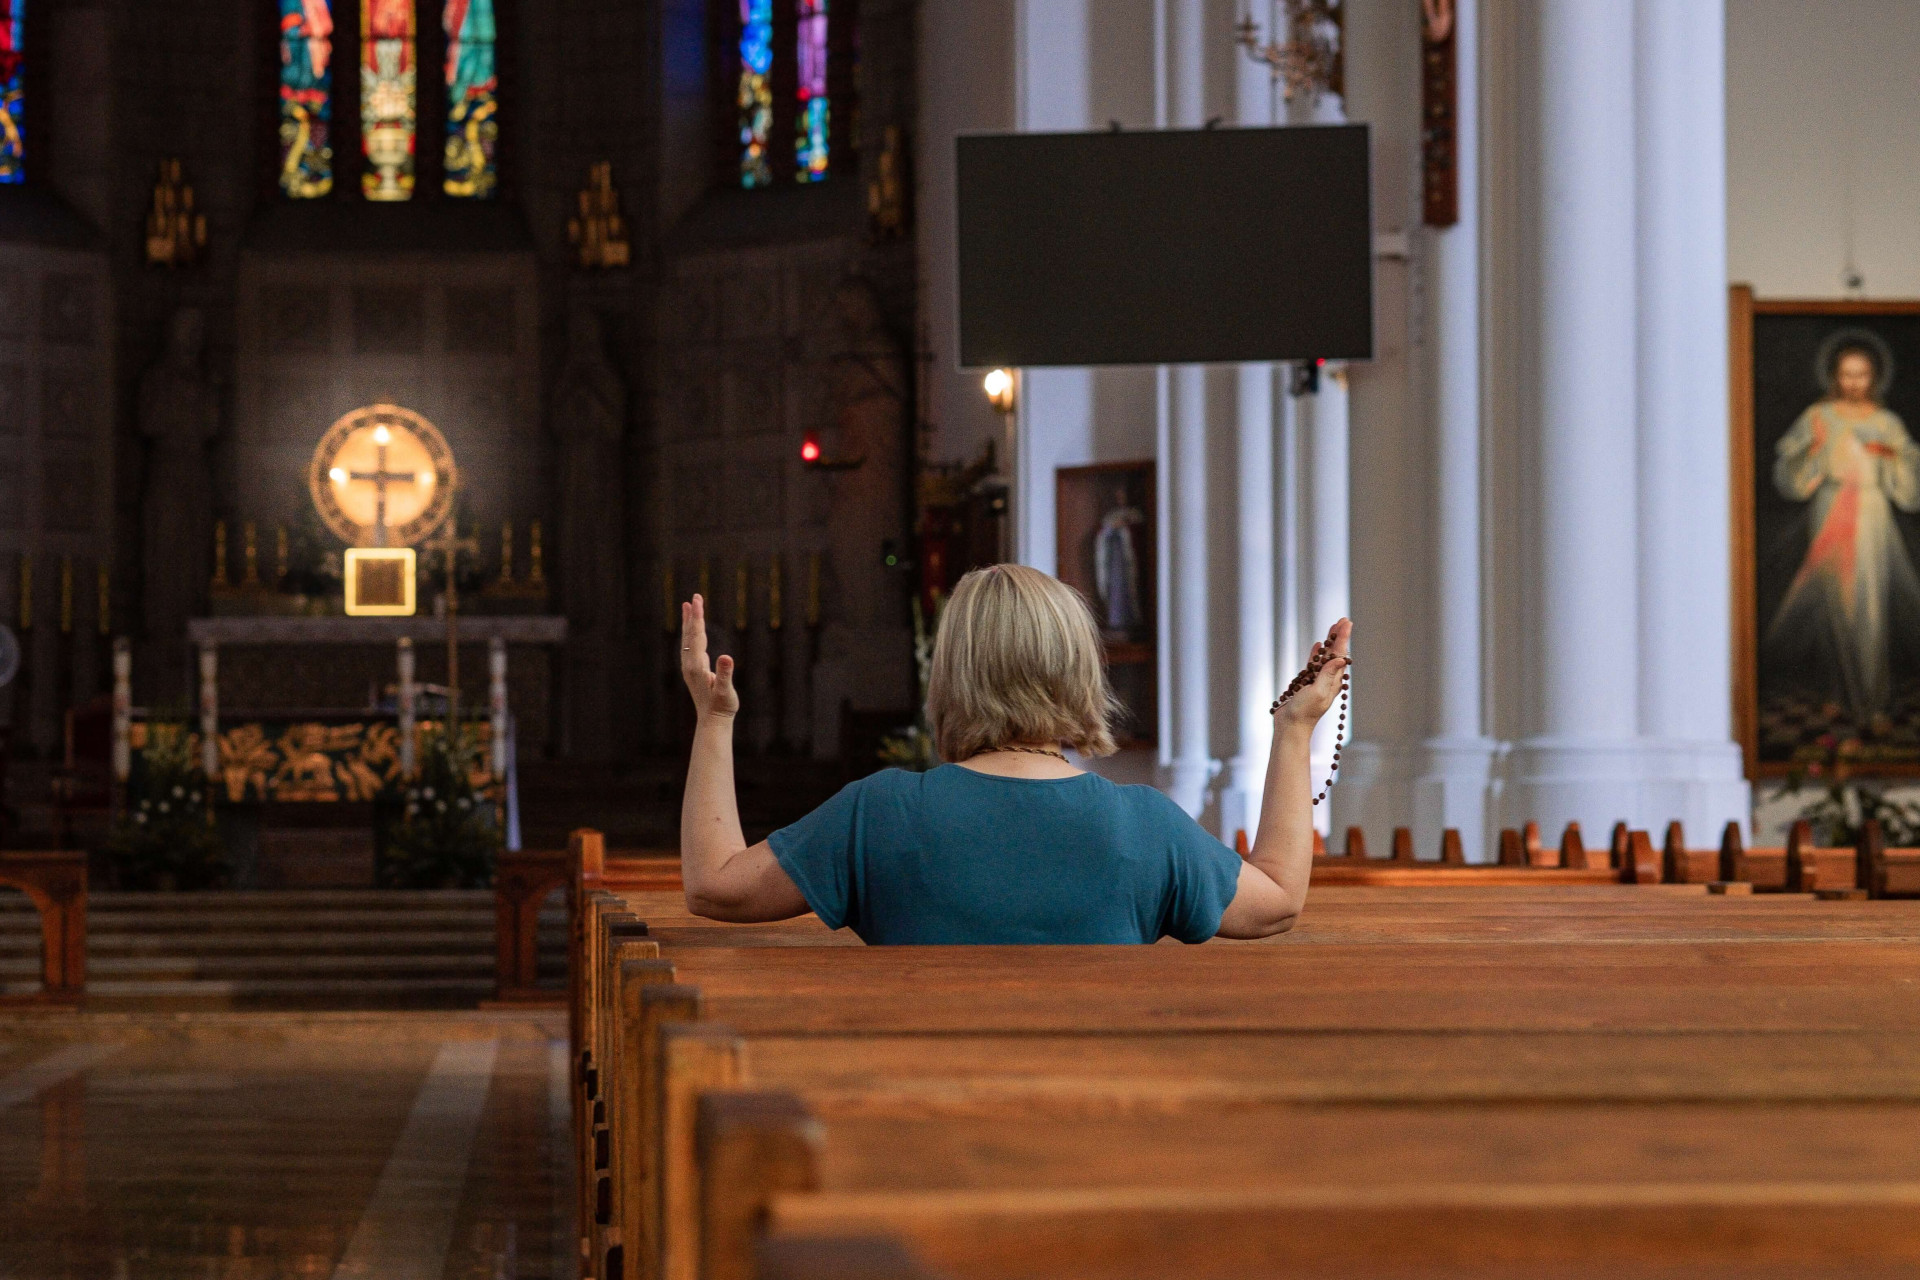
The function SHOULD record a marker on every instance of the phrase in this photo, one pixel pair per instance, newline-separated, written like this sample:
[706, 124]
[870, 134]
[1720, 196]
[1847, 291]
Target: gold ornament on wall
[176, 231]
[599, 232]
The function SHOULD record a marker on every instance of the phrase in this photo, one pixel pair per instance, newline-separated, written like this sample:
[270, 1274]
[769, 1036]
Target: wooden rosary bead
[1306, 678]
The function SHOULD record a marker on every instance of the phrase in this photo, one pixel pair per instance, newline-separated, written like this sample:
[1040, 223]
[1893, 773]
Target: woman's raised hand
[711, 687]
[1328, 665]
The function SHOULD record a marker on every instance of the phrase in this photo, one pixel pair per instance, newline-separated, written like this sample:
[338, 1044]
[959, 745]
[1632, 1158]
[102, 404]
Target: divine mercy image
[1848, 470]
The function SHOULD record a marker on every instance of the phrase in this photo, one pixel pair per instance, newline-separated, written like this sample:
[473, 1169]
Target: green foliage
[167, 839]
[1844, 804]
[912, 748]
[448, 835]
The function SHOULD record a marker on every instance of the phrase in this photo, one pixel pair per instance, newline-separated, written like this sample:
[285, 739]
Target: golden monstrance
[382, 479]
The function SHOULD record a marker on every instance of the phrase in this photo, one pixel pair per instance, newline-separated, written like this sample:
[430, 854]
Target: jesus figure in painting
[1854, 461]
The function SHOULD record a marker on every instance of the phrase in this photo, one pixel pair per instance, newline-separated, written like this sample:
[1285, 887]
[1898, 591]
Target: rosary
[1306, 678]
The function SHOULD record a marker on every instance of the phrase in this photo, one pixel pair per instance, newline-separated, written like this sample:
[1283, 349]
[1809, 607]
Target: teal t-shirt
[957, 856]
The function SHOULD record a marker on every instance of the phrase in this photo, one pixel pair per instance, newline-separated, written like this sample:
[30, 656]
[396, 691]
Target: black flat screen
[1167, 247]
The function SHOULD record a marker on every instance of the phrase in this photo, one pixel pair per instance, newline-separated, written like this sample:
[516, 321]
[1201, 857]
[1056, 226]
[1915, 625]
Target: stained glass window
[388, 82]
[13, 148]
[756, 92]
[306, 98]
[472, 99]
[811, 117]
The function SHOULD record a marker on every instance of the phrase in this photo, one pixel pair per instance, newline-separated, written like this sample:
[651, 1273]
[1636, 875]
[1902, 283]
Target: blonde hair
[1018, 659]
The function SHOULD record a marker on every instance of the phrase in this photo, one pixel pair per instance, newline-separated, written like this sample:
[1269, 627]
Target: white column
[1578, 759]
[1694, 771]
[122, 709]
[1185, 410]
[1324, 427]
[1246, 771]
[1451, 790]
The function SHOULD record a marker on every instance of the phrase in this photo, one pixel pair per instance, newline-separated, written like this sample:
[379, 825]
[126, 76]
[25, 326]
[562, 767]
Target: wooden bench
[1509, 994]
[773, 1131]
[1884, 872]
[56, 884]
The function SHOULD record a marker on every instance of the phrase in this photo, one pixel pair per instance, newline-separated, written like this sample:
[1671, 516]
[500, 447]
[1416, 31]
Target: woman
[1853, 460]
[1009, 843]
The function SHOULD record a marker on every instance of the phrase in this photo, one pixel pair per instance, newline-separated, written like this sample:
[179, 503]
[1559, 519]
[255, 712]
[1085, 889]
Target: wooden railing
[56, 883]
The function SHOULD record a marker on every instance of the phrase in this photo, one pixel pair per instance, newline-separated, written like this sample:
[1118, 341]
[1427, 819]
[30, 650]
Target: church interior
[378, 378]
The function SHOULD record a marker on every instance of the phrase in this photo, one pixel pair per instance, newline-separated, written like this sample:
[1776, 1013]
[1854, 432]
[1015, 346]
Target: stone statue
[179, 414]
[589, 423]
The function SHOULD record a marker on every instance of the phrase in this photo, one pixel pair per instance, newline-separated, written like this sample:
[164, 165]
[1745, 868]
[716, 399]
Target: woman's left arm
[725, 880]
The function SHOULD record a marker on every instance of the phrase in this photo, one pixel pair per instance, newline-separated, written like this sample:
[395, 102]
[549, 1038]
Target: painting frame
[1745, 313]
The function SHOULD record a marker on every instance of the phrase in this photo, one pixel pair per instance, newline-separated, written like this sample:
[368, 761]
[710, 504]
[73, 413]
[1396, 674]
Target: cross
[380, 478]
[452, 545]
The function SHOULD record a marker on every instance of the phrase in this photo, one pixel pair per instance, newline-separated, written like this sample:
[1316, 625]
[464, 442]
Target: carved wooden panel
[66, 309]
[388, 320]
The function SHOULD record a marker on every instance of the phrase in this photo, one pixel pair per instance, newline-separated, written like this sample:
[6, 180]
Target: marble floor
[241, 1146]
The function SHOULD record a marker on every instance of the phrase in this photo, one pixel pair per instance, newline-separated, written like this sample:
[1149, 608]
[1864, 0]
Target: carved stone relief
[66, 309]
[755, 493]
[13, 399]
[67, 400]
[68, 489]
[750, 394]
[298, 319]
[697, 496]
[388, 320]
[480, 321]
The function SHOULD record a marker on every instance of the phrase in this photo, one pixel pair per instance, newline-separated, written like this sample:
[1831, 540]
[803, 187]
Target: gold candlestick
[279, 553]
[26, 591]
[66, 595]
[813, 589]
[219, 555]
[106, 601]
[536, 573]
[250, 576]
[506, 553]
[740, 598]
[773, 593]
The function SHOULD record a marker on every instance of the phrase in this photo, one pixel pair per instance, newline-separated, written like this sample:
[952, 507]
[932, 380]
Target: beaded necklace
[1306, 678]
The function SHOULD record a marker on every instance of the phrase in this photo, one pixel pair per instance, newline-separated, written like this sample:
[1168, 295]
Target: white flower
[140, 817]
[412, 810]
[179, 791]
[428, 793]
[196, 797]
[465, 803]
[164, 806]
[145, 804]
[441, 805]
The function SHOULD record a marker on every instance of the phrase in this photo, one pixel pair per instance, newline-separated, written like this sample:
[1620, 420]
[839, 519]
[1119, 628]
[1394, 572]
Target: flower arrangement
[1845, 804]
[447, 835]
[167, 837]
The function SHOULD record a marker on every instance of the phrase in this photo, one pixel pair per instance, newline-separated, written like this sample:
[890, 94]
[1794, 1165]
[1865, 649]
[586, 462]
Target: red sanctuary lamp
[813, 458]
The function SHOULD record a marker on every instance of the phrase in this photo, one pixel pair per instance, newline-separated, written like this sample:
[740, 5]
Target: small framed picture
[1826, 534]
[1105, 549]
[380, 582]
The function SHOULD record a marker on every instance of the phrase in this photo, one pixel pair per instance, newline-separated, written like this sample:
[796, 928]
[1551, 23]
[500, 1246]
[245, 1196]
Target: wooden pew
[1884, 872]
[1764, 868]
[709, 960]
[1830, 873]
[56, 884]
[914, 995]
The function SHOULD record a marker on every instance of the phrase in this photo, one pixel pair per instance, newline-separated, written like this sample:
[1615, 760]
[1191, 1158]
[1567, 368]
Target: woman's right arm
[1273, 880]
[724, 878]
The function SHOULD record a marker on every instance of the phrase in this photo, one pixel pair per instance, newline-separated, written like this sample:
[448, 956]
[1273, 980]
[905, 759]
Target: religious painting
[473, 127]
[1105, 547]
[306, 98]
[1826, 493]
